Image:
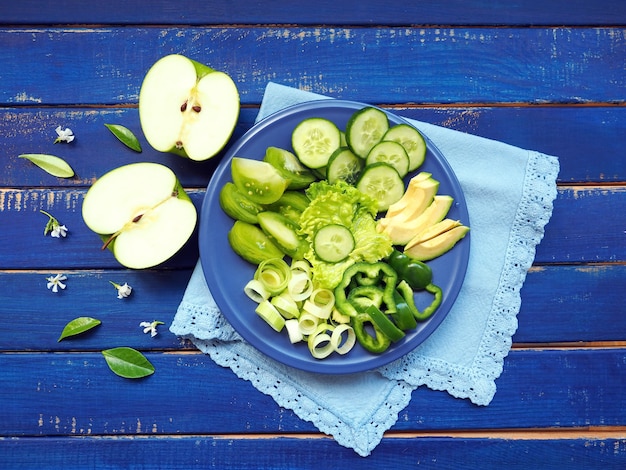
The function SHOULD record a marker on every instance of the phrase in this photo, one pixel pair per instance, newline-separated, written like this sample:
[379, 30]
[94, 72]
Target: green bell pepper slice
[363, 296]
[372, 271]
[403, 316]
[407, 293]
[375, 344]
[384, 324]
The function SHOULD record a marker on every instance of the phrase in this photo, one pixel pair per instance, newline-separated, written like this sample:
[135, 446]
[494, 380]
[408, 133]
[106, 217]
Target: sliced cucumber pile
[370, 154]
[369, 141]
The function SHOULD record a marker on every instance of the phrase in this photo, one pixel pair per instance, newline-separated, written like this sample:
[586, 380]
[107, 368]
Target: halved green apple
[187, 108]
[141, 212]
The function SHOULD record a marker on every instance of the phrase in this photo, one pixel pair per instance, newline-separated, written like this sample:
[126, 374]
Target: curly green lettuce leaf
[343, 204]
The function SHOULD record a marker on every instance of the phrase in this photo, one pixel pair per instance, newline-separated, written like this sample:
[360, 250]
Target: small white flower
[64, 135]
[55, 282]
[59, 231]
[150, 327]
[53, 227]
[122, 291]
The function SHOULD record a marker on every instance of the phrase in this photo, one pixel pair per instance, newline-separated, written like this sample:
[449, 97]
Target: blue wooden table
[548, 76]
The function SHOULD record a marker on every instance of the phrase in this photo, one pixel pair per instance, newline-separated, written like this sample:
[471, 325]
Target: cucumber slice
[366, 128]
[390, 152]
[344, 165]
[314, 140]
[381, 182]
[412, 141]
[333, 243]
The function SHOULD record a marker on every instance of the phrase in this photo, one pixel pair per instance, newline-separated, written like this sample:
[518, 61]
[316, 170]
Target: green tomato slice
[259, 181]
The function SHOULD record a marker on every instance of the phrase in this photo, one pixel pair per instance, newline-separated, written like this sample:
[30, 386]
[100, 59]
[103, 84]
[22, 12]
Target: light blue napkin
[509, 193]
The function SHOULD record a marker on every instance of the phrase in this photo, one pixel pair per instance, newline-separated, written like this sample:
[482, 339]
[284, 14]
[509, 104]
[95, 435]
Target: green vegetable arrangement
[318, 207]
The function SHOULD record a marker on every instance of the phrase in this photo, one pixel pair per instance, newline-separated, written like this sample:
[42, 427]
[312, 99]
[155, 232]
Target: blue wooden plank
[572, 303]
[573, 133]
[36, 325]
[94, 150]
[387, 65]
[589, 222]
[563, 242]
[449, 12]
[559, 304]
[307, 453]
[21, 220]
[66, 393]
[586, 139]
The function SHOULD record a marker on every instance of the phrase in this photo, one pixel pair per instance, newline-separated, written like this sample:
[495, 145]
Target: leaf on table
[79, 325]
[54, 165]
[128, 362]
[125, 136]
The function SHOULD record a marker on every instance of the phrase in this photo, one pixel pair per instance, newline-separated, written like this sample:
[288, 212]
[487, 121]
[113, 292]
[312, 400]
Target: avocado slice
[404, 231]
[438, 245]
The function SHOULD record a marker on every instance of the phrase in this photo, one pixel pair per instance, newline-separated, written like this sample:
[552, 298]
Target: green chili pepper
[416, 273]
[370, 270]
[374, 344]
[407, 293]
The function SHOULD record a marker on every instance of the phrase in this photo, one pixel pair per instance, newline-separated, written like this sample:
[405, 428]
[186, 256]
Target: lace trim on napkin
[209, 331]
[203, 322]
[478, 382]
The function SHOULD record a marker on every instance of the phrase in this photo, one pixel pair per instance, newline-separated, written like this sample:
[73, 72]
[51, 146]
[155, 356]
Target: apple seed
[196, 108]
[183, 107]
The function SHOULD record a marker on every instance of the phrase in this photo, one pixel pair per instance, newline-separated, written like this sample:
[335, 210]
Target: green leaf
[78, 325]
[128, 363]
[125, 136]
[54, 165]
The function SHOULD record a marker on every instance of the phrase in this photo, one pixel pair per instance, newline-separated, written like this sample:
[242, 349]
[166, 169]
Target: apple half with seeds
[141, 212]
[187, 108]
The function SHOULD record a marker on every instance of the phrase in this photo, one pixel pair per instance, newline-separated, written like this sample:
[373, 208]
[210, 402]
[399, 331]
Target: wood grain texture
[559, 304]
[545, 76]
[582, 132]
[377, 65]
[304, 453]
[450, 12]
[563, 241]
[65, 394]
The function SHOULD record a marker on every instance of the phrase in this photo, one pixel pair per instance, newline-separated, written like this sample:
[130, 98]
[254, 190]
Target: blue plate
[227, 274]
